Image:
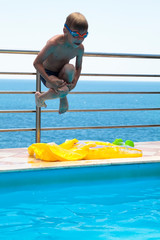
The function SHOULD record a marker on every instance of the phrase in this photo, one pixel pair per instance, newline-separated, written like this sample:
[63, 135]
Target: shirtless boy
[52, 62]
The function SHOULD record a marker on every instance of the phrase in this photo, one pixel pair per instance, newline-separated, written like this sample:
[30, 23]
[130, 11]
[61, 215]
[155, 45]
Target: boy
[52, 62]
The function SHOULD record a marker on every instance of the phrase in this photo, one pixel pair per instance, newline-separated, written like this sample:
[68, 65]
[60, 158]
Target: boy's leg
[67, 74]
[39, 102]
[63, 106]
[41, 97]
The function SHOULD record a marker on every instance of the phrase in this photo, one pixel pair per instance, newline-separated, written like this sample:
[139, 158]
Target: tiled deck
[18, 159]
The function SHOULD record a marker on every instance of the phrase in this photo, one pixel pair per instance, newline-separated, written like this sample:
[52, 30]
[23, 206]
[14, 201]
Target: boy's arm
[41, 57]
[38, 63]
[78, 68]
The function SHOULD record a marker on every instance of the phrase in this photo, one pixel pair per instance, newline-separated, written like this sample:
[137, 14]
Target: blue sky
[115, 26]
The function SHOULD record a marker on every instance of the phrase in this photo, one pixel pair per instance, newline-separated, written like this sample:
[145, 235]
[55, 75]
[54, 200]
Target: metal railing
[38, 110]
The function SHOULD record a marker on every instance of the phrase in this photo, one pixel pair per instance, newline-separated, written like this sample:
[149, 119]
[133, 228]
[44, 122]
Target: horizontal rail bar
[18, 111]
[76, 128]
[18, 130]
[17, 92]
[121, 55]
[88, 54]
[17, 73]
[98, 127]
[118, 75]
[114, 93]
[82, 110]
[89, 74]
[33, 92]
[106, 110]
[18, 51]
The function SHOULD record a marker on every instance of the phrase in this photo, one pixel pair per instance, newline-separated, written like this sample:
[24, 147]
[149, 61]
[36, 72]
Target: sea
[79, 119]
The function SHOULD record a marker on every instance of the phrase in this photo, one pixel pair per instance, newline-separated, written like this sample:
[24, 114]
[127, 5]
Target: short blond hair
[77, 20]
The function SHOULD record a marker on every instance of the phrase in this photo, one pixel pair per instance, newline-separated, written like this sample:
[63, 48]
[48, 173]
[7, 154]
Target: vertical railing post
[38, 110]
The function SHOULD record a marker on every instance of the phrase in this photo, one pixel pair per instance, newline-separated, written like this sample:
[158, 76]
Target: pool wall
[70, 175]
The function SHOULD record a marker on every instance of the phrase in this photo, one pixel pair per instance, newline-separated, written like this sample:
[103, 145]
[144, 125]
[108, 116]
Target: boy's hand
[70, 86]
[63, 91]
[57, 82]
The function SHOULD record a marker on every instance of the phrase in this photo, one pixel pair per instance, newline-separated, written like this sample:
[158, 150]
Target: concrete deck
[17, 159]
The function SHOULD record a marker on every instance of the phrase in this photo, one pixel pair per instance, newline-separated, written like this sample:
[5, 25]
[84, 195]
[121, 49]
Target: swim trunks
[49, 73]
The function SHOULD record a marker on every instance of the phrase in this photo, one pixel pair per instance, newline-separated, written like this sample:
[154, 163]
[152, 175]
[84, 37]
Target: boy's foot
[39, 102]
[63, 105]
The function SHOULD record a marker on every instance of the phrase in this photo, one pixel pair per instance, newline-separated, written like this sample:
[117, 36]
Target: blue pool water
[114, 202]
[27, 120]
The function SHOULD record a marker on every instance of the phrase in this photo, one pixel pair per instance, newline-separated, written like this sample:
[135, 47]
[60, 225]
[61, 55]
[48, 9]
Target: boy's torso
[60, 56]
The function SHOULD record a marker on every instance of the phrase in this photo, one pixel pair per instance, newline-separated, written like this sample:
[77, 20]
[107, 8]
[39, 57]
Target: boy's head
[77, 21]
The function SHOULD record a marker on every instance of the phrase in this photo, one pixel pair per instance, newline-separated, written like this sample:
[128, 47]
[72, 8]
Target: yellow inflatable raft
[72, 150]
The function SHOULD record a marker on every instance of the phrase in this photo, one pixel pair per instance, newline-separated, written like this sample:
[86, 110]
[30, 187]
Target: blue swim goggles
[76, 34]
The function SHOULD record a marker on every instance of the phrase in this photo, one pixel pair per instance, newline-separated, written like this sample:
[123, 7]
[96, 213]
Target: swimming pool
[102, 202]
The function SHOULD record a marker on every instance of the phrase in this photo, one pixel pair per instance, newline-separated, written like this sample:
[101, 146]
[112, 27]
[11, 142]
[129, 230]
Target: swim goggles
[76, 34]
